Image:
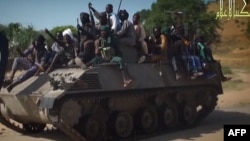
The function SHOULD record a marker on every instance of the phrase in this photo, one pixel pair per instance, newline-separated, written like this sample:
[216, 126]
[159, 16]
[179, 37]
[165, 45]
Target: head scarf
[40, 38]
[123, 14]
[68, 32]
[84, 17]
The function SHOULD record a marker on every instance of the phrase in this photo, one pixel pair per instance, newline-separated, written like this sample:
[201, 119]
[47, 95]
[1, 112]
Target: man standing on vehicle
[113, 18]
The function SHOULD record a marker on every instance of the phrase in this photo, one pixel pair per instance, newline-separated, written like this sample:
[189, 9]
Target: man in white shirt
[113, 18]
[140, 36]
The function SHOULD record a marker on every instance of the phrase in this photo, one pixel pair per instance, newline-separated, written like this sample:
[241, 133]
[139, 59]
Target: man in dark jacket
[33, 60]
[4, 52]
[88, 35]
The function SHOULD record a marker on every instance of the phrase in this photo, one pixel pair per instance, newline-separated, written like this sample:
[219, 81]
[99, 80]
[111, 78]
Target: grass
[244, 103]
[247, 68]
[234, 85]
[227, 70]
[237, 84]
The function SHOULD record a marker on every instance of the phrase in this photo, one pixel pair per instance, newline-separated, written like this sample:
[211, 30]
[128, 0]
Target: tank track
[186, 103]
[25, 128]
[11, 125]
[204, 96]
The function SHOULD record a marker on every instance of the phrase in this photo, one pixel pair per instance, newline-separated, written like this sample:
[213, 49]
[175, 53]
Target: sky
[43, 14]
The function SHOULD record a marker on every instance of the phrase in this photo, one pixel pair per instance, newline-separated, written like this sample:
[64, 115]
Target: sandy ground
[233, 107]
[236, 91]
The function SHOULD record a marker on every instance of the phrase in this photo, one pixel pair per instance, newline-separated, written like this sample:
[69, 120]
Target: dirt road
[233, 107]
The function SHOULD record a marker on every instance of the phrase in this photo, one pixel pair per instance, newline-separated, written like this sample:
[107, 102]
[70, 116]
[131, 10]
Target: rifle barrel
[119, 6]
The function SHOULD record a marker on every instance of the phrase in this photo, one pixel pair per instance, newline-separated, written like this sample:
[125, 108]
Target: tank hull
[78, 101]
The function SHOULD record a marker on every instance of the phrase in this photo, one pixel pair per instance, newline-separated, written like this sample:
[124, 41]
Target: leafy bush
[19, 37]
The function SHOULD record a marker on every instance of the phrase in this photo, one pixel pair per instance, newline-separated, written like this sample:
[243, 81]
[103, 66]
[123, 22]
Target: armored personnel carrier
[93, 104]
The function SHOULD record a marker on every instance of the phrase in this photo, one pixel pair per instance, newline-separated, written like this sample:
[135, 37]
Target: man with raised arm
[113, 18]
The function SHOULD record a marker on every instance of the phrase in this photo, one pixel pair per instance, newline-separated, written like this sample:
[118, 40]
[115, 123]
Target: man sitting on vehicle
[57, 56]
[32, 60]
[206, 56]
[158, 45]
[106, 52]
[70, 47]
[88, 35]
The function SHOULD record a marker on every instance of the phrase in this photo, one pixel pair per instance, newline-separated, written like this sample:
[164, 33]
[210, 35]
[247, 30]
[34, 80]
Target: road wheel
[189, 114]
[169, 115]
[123, 124]
[34, 127]
[148, 119]
[91, 128]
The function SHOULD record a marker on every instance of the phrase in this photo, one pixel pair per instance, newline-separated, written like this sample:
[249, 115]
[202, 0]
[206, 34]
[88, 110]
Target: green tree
[19, 37]
[3, 27]
[144, 13]
[194, 17]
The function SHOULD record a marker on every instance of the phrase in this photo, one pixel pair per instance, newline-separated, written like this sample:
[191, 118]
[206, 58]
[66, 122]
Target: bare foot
[226, 79]
[126, 83]
[79, 62]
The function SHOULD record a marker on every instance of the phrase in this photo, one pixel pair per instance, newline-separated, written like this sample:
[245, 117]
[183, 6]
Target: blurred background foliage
[191, 14]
